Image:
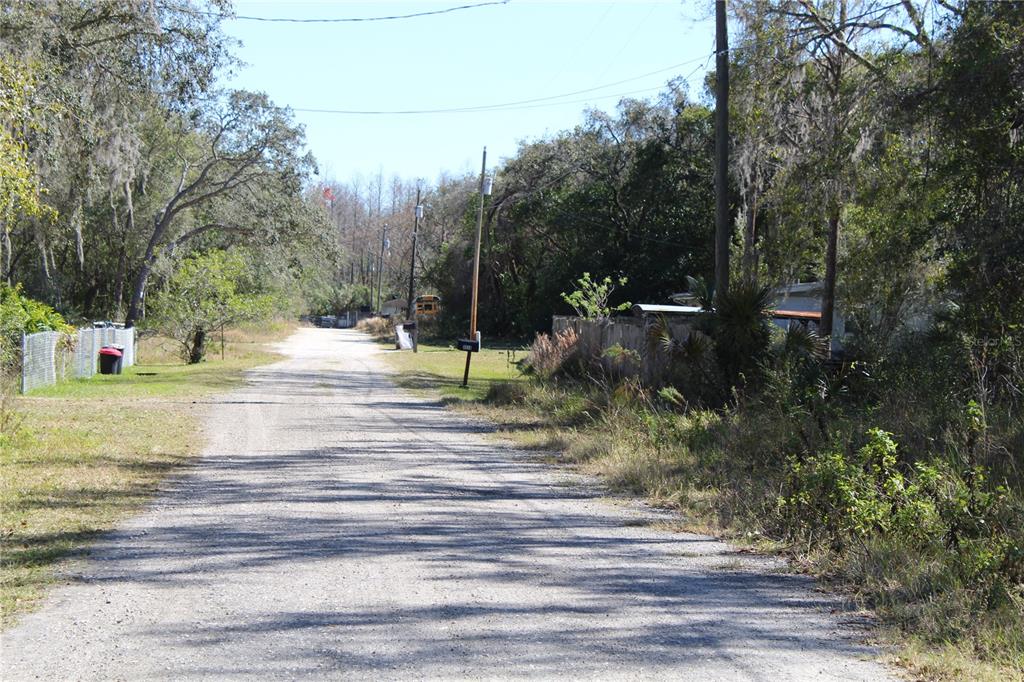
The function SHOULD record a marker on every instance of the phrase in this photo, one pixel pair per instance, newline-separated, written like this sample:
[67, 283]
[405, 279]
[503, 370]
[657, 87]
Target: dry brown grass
[378, 328]
[549, 354]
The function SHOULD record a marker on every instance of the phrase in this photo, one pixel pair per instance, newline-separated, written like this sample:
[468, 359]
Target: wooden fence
[645, 358]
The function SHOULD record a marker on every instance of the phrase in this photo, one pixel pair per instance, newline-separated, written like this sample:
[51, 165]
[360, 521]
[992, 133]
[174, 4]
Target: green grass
[161, 380]
[441, 368]
[78, 457]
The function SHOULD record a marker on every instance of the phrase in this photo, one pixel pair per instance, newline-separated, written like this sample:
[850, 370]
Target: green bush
[843, 497]
[22, 315]
[740, 326]
[590, 298]
[854, 503]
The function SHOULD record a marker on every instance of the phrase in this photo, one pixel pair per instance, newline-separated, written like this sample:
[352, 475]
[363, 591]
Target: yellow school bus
[428, 305]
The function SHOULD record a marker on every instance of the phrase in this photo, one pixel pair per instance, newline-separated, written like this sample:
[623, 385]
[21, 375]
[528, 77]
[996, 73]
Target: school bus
[428, 305]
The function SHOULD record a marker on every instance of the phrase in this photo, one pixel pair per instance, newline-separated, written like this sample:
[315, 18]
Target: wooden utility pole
[476, 267]
[722, 224]
[412, 261]
[380, 263]
[411, 304]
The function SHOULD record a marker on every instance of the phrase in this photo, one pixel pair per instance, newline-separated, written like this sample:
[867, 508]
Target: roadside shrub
[550, 355]
[377, 327]
[620, 364]
[590, 298]
[506, 393]
[847, 496]
[843, 497]
[740, 328]
[691, 368]
[865, 504]
[19, 315]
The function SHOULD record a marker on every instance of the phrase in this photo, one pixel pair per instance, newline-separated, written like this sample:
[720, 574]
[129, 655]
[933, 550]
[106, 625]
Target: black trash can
[120, 360]
[110, 360]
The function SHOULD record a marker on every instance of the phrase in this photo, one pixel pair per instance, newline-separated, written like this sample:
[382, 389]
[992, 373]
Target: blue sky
[493, 55]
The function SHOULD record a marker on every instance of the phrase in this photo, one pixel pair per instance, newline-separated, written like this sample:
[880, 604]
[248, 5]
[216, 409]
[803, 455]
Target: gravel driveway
[338, 527]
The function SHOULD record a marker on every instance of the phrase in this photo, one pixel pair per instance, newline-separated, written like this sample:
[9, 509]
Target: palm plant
[741, 329]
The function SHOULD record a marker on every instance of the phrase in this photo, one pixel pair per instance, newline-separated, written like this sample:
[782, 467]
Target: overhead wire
[520, 104]
[575, 51]
[348, 20]
[628, 42]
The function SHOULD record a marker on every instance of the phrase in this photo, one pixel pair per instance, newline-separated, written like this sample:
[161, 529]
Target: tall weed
[554, 354]
[377, 327]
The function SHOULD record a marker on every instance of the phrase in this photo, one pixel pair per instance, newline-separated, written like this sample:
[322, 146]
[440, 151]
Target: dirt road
[340, 528]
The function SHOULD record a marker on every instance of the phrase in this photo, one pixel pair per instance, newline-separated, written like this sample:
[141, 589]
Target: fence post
[24, 353]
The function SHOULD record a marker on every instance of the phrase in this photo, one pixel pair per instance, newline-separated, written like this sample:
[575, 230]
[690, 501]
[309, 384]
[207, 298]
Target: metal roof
[654, 309]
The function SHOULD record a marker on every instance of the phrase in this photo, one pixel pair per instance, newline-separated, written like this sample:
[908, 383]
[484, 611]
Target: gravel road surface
[340, 528]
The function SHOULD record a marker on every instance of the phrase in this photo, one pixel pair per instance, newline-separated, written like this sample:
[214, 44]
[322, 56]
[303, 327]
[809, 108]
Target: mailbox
[469, 345]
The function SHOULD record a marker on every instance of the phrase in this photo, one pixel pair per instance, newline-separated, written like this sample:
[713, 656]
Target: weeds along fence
[50, 357]
[643, 359]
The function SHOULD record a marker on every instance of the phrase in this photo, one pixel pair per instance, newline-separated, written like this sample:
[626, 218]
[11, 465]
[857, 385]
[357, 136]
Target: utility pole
[485, 189]
[380, 268]
[411, 310]
[722, 225]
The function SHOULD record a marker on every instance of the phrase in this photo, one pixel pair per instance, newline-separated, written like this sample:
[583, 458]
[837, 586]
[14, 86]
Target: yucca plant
[741, 329]
[692, 370]
[803, 344]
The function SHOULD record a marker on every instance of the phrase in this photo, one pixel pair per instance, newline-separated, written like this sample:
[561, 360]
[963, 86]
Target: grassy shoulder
[80, 456]
[440, 367]
[721, 471]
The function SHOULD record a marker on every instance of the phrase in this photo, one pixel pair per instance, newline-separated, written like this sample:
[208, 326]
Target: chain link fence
[39, 361]
[47, 357]
[90, 341]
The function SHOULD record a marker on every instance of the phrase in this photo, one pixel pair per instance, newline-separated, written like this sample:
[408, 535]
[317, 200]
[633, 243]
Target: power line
[349, 20]
[557, 74]
[470, 110]
[511, 106]
[629, 40]
[590, 99]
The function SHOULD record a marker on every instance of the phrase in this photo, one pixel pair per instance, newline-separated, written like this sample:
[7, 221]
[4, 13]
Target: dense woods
[121, 156]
